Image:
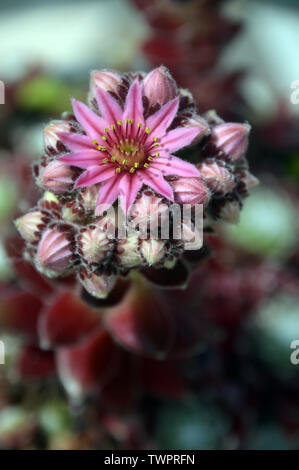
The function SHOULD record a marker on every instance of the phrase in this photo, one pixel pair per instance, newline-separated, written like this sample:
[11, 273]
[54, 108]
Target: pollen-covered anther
[97, 285]
[217, 176]
[31, 224]
[55, 251]
[93, 244]
[152, 251]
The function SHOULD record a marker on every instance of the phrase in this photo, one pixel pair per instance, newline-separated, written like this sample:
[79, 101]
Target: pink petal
[110, 109]
[95, 174]
[134, 107]
[92, 124]
[76, 142]
[172, 165]
[108, 193]
[179, 138]
[129, 187]
[84, 159]
[161, 120]
[156, 181]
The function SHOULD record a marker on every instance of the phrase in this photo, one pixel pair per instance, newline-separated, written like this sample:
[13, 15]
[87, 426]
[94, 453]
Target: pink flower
[124, 150]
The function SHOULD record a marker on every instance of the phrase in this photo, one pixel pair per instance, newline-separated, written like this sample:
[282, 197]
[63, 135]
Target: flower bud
[52, 142]
[190, 191]
[87, 197]
[31, 224]
[98, 285]
[152, 251]
[148, 209]
[217, 176]
[231, 138]
[127, 250]
[55, 251]
[93, 244]
[159, 86]
[108, 80]
[247, 179]
[57, 177]
[230, 212]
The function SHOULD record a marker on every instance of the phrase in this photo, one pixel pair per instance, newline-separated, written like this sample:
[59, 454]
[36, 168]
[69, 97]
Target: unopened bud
[93, 244]
[127, 250]
[98, 285]
[231, 138]
[159, 86]
[153, 251]
[217, 176]
[57, 177]
[31, 224]
[190, 191]
[55, 251]
[108, 80]
[52, 142]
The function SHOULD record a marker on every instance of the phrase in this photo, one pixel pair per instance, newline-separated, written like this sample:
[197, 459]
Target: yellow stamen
[105, 160]
[156, 145]
[147, 130]
[157, 154]
[113, 127]
[125, 162]
[132, 170]
[113, 159]
[150, 159]
[117, 170]
[104, 137]
[146, 165]
[136, 164]
[95, 142]
[155, 139]
[106, 129]
[119, 123]
[139, 124]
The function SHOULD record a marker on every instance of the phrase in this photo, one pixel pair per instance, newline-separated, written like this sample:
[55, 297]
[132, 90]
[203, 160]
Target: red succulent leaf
[19, 311]
[34, 363]
[88, 366]
[66, 320]
[142, 323]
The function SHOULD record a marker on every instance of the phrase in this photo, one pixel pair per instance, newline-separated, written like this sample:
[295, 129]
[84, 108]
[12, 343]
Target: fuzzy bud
[127, 250]
[247, 179]
[52, 142]
[108, 80]
[57, 177]
[231, 138]
[93, 244]
[97, 285]
[148, 209]
[87, 197]
[152, 251]
[190, 191]
[55, 251]
[30, 225]
[159, 86]
[230, 212]
[217, 176]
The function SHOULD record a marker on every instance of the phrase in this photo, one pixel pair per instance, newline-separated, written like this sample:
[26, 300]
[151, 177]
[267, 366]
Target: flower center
[128, 154]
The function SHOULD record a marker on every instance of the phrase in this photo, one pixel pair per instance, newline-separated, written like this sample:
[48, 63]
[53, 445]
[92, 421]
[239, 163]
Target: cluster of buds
[111, 181]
